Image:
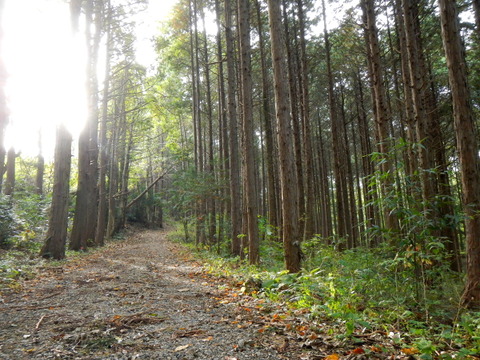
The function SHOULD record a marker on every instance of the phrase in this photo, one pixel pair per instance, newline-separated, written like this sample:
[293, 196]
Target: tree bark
[10, 180]
[306, 127]
[295, 113]
[84, 223]
[382, 117]
[103, 159]
[251, 193]
[288, 176]
[467, 146]
[272, 170]
[210, 202]
[54, 246]
[339, 150]
[235, 193]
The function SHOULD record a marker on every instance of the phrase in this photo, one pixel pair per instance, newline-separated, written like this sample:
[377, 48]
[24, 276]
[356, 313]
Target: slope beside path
[140, 298]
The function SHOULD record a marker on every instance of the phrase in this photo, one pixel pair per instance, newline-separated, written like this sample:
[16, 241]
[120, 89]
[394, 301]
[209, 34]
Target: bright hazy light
[46, 68]
[148, 27]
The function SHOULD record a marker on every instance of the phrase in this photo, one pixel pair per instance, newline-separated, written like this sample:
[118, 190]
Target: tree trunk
[294, 103]
[251, 193]
[224, 206]
[54, 246]
[288, 175]
[411, 165]
[367, 164]
[306, 127]
[419, 85]
[382, 117]
[272, 172]
[103, 160]
[339, 150]
[235, 194]
[10, 181]
[40, 167]
[467, 146]
[84, 223]
[210, 202]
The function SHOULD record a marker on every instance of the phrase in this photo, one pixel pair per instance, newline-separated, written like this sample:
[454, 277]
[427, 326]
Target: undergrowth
[362, 290]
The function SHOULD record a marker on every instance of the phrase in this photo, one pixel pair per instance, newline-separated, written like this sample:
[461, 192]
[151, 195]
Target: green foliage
[358, 289]
[6, 221]
[23, 221]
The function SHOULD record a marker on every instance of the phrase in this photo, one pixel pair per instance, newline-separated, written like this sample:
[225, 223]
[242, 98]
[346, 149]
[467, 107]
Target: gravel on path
[139, 298]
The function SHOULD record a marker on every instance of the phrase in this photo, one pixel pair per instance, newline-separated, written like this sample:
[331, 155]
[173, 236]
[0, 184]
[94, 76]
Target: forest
[323, 153]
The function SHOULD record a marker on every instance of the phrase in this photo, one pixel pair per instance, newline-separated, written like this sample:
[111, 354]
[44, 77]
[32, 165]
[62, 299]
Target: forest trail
[139, 298]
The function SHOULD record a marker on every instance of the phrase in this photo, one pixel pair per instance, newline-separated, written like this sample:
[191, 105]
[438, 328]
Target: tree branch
[148, 188]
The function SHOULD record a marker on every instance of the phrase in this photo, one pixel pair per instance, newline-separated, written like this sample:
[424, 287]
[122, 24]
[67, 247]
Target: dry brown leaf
[358, 351]
[332, 357]
[409, 351]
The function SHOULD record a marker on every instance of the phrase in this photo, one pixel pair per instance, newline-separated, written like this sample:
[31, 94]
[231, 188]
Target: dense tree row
[357, 147]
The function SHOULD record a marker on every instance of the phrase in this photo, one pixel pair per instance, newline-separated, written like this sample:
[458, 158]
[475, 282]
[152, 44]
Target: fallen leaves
[409, 351]
[127, 321]
[357, 351]
[332, 357]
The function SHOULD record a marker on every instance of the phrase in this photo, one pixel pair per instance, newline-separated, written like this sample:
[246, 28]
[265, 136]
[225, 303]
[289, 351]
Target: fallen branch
[40, 322]
[21, 308]
[148, 188]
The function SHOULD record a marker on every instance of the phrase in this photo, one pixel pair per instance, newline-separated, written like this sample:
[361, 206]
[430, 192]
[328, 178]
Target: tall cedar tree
[84, 222]
[250, 191]
[54, 246]
[467, 146]
[235, 196]
[288, 177]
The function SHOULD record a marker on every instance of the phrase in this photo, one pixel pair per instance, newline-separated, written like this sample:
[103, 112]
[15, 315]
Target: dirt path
[136, 299]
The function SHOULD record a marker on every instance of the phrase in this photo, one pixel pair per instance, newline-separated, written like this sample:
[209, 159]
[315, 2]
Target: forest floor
[145, 297]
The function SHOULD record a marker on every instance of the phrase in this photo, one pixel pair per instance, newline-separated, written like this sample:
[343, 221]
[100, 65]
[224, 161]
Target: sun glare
[45, 67]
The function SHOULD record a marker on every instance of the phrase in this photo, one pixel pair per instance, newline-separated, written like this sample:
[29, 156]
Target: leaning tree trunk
[467, 146]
